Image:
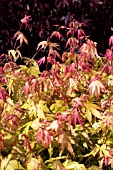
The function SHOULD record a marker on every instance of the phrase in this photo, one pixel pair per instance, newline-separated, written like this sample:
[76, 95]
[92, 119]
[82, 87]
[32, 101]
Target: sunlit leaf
[40, 113]
[8, 164]
[42, 45]
[92, 109]
[43, 106]
[75, 166]
[33, 164]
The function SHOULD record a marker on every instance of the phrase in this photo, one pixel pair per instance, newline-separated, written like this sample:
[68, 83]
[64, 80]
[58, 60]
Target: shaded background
[98, 16]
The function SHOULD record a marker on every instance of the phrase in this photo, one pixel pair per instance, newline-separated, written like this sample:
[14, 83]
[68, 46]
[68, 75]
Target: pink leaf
[56, 34]
[111, 41]
[41, 60]
[25, 19]
[26, 88]
[109, 55]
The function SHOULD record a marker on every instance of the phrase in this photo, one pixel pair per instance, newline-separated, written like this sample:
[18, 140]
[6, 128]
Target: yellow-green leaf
[43, 106]
[95, 112]
[40, 113]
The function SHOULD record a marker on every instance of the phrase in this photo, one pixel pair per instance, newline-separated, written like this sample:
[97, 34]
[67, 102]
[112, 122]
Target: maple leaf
[111, 41]
[80, 33]
[72, 42]
[65, 142]
[1, 142]
[13, 120]
[42, 45]
[107, 118]
[109, 54]
[72, 67]
[76, 118]
[78, 102]
[56, 34]
[26, 88]
[70, 32]
[58, 165]
[41, 60]
[3, 94]
[45, 137]
[62, 3]
[20, 36]
[54, 125]
[27, 142]
[25, 20]
[96, 87]
[67, 18]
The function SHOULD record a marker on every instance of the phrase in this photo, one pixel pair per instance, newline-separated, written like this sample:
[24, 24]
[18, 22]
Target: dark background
[97, 15]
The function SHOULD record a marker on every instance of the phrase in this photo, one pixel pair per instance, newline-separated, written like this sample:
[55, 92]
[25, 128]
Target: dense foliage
[60, 119]
[96, 15]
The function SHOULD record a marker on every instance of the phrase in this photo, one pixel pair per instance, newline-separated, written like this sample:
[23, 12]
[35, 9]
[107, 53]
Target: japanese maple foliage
[59, 119]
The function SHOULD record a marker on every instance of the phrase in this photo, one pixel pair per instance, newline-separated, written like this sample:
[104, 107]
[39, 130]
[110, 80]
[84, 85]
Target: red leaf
[81, 34]
[3, 94]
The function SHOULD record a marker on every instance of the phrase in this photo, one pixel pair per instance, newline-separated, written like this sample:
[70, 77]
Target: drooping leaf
[20, 36]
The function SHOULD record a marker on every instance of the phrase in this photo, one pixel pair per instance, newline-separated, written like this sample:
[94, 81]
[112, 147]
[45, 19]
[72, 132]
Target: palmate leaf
[57, 165]
[34, 164]
[105, 151]
[43, 106]
[42, 45]
[40, 113]
[33, 70]
[56, 34]
[7, 164]
[65, 142]
[20, 36]
[14, 54]
[96, 87]
[91, 109]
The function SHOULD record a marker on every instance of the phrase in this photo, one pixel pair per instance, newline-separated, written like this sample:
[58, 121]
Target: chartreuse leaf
[33, 70]
[105, 151]
[27, 126]
[7, 164]
[35, 124]
[93, 152]
[33, 164]
[50, 150]
[43, 106]
[58, 106]
[40, 113]
[93, 168]
[74, 166]
[36, 164]
[25, 106]
[89, 115]
[92, 109]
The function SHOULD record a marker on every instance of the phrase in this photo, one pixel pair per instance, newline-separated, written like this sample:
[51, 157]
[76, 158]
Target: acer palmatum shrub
[60, 119]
